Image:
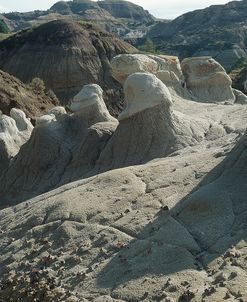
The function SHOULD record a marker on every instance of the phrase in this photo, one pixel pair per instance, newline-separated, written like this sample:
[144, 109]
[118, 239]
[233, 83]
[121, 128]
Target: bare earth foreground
[161, 215]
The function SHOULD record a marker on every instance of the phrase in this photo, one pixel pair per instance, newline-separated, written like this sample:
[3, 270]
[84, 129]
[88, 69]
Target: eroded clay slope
[66, 55]
[62, 148]
[33, 99]
[171, 230]
[165, 222]
[67, 147]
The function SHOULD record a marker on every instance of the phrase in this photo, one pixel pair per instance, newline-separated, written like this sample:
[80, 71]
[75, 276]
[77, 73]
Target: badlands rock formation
[62, 147]
[65, 147]
[170, 229]
[166, 68]
[201, 79]
[241, 98]
[207, 80]
[66, 55]
[148, 127]
[122, 18]
[15, 130]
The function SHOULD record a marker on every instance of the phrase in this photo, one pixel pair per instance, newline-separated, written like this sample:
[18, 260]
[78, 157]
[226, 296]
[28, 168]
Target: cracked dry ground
[170, 230]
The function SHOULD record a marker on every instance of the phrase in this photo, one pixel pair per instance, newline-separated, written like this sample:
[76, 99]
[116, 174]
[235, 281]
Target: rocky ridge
[218, 31]
[122, 18]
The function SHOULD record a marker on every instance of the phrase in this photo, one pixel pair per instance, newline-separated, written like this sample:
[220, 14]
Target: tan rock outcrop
[166, 68]
[207, 80]
[127, 64]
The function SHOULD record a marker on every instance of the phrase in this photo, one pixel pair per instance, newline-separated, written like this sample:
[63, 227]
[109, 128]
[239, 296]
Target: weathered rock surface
[125, 65]
[90, 105]
[66, 147]
[202, 79]
[127, 10]
[15, 130]
[241, 98]
[162, 131]
[170, 229]
[207, 80]
[29, 98]
[117, 9]
[66, 55]
[166, 68]
[62, 147]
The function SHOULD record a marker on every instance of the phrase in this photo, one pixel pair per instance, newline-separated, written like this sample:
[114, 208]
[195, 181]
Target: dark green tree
[148, 46]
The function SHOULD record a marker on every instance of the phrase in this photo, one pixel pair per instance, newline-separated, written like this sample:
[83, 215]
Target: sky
[167, 9]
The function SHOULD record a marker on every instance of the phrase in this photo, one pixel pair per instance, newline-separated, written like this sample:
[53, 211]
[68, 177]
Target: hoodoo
[15, 130]
[62, 147]
[148, 126]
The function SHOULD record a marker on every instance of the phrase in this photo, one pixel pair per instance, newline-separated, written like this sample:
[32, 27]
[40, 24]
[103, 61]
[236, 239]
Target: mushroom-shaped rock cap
[207, 79]
[14, 132]
[127, 64]
[200, 67]
[142, 91]
[8, 125]
[22, 122]
[58, 111]
[89, 104]
[45, 120]
[89, 95]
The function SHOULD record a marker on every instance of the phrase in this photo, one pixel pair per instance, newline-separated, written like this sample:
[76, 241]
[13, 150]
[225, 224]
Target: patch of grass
[4, 36]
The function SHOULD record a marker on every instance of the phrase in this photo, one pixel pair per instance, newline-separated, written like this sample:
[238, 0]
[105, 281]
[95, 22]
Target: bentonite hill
[102, 201]
[66, 55]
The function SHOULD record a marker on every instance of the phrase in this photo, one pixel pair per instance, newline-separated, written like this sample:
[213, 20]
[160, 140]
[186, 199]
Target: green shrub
[148, 46]
[38, 85]
[3, 27]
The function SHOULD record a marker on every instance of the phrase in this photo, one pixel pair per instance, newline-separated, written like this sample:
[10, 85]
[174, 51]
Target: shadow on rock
[200, 228]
